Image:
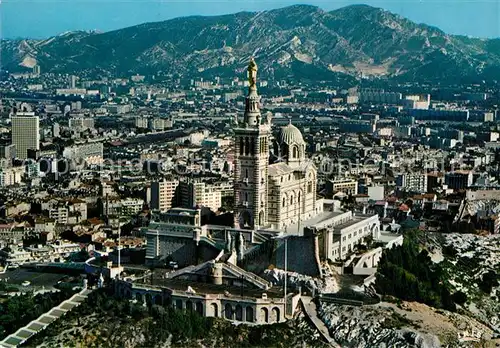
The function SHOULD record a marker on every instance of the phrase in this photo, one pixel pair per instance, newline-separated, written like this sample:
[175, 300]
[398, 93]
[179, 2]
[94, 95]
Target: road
[37, 280]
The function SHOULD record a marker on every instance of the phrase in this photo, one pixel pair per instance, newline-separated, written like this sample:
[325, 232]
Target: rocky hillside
[303, 41]
[408, 324]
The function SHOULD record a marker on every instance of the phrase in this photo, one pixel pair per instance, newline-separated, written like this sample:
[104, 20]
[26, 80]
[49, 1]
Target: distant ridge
[300, 40]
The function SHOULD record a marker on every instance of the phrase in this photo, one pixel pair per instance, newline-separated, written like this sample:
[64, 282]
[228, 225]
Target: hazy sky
[43, 18]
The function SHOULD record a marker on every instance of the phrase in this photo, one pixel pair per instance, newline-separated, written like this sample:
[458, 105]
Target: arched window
[298, 198]
[265, 314]
[294, 152]
[157, 300]
[215, 309]
[276, 314]
[284, 201]
[149, 299]
[291, 200]
[249, 314]
[309, 187]
[239, 313]
[199, 308]
[246, 173]
[228, 311]
[247, 146]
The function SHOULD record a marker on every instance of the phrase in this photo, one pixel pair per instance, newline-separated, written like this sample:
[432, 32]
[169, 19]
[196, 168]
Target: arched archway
[149, 299]
[276, 314]
[375, 231]
[157, 300]
[261, 218]
[138, 297]
[249, 314]
[228, 311]
[239, 312]
[265, 314]
[215, 309]
[199, 308]
[245, 219]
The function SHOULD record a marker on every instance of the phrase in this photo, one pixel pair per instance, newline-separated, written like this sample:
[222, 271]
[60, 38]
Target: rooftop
[355, 219]
[207, 288]
[321, 218]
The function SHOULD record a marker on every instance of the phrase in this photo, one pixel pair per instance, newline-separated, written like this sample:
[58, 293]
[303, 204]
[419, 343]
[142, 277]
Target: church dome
[290, 135]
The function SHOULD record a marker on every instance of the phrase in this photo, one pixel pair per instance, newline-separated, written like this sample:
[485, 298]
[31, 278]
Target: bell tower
[251, 140]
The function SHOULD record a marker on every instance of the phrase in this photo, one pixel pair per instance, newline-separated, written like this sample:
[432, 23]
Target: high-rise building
[36, 70]
[413, 182]
[163, 194]
[72, 83]
[200, 194]
[141, 122]
[25, 133]
[7, 151]
[56, 130]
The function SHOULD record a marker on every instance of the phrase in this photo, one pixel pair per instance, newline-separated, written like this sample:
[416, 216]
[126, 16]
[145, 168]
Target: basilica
[271, 195]
[274, 198]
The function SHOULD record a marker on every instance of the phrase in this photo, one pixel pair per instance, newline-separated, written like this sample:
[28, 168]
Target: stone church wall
[300, 256]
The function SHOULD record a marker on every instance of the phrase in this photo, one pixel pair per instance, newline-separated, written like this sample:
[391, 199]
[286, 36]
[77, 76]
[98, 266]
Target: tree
[488, 281]
[459, 297]
[409, 274]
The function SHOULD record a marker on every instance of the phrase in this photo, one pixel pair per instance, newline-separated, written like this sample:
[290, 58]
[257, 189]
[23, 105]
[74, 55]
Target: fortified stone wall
[300, 256]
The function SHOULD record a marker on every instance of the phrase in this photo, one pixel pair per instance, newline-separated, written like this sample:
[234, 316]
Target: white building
[201, 194]
[81, 123]
[131, 206]
[91, 153]
[342, 232]
[141, 122]
[163, 194]
[412, 182]
[379, 96]
[11, 176]
[346, 185]
[159, 124]
[59, 214]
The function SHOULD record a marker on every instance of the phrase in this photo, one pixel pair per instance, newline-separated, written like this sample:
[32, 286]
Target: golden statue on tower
[252, 73]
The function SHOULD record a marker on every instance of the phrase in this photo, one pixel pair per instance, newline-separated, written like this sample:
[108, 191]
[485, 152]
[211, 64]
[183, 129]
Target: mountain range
[301, 41]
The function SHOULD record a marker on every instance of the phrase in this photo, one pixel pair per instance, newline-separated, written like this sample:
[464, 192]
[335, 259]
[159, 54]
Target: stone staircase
[42, 322]
[252, 278]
